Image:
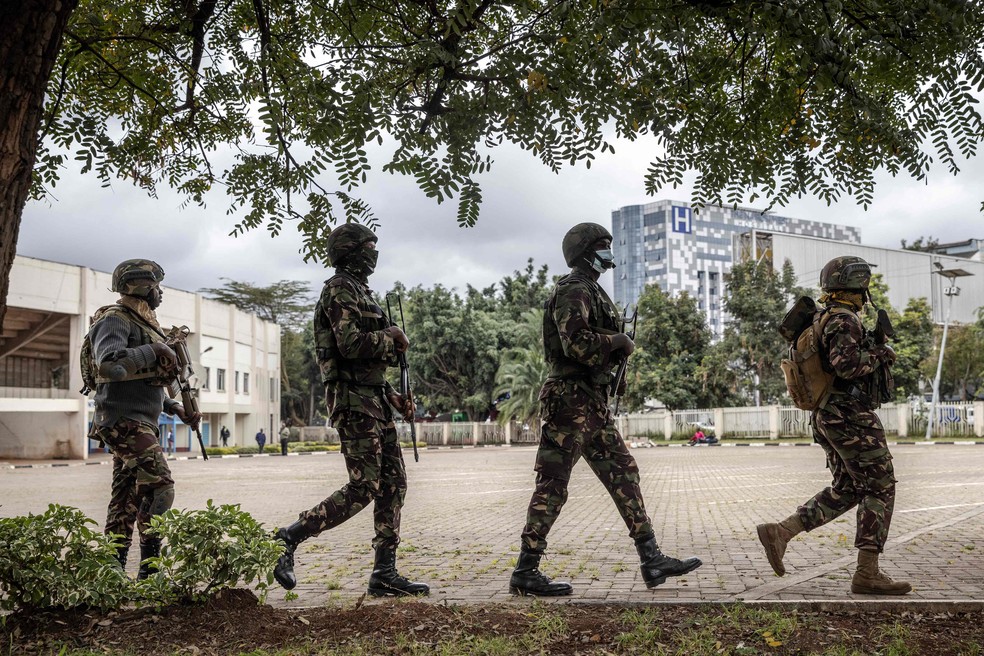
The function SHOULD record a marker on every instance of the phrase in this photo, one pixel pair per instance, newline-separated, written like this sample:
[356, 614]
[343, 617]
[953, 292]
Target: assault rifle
[177, 339]
[401, 358]
[882, 384]
[624, 365]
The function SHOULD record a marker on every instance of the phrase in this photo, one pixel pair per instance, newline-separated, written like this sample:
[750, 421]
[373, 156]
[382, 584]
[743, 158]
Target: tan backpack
[808, 381]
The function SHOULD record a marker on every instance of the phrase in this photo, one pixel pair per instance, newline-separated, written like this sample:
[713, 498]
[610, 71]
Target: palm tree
[522, 372]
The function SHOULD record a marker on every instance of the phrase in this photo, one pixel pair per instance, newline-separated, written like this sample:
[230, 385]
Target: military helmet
[579, 239]
[137, 277]
[846, 272]
[346, 238]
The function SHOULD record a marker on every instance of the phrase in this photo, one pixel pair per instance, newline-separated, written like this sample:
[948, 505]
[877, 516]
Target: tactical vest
[87, 358]
[602, 318]
[334, 366]
[809, 377]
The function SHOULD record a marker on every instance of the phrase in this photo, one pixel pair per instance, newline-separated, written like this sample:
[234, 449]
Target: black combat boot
[121, 554]
[527, 579]
[656, 567]
[149, 549]
[291, 536]
[385, 580]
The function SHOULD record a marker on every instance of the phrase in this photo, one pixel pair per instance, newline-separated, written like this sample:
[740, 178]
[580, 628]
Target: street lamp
[951, 290]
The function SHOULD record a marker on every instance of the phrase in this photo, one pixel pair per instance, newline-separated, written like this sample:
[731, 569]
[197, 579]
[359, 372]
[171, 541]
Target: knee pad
[162, 500]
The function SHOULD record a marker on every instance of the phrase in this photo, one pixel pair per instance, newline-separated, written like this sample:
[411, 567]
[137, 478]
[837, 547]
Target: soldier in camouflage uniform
[355, 345]
[583, 344]
[127, 349]
[850, 433]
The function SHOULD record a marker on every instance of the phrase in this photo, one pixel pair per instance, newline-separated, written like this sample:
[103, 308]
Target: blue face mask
[603, 260]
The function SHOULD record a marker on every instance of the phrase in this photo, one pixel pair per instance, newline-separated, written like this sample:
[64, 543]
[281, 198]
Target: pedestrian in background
[224, 434]
[170, 441]
[260, 440]
[284, 437]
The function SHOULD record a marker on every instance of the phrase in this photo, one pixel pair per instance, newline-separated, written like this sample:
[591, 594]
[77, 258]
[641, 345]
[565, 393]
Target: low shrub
[235, 450]
[55, 560]
[208, 550]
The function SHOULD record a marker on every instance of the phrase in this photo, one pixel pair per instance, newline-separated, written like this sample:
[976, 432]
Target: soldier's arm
[579, 341]
[345, 318]
[848, 356]
[109, 346]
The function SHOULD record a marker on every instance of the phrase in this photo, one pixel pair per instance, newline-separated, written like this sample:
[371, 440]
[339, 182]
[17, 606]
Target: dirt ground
[234, 622]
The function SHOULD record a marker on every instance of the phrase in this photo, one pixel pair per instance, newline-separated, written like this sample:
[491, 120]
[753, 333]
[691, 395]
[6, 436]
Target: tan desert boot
[775, 537]
[868, 579]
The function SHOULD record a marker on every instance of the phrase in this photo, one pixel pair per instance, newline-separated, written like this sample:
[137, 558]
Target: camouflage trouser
[858, 457]
[142, 483]
[376, 473]
[578, 423]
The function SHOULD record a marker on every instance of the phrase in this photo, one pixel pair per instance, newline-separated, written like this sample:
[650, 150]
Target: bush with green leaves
[207, 550]
[55, 560]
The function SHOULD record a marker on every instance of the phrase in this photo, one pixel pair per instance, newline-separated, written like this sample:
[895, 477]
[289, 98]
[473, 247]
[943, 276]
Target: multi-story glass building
[669, 244]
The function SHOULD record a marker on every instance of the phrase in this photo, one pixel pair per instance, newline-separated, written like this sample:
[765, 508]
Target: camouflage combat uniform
[577, 330]
[128, 402]
[853, 438]
[354, 352]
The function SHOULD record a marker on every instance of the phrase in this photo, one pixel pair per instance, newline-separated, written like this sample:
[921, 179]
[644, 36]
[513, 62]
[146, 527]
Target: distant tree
[289, 304]
[925, 244]
[671, 340]
[963, 362]
[454, 351]
[522, 372]
[756, 301]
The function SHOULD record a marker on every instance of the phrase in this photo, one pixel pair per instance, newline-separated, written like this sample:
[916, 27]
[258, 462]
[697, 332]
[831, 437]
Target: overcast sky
[525, 213]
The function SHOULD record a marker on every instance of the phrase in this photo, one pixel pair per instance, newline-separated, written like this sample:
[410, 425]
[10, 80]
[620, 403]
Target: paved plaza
[466, 507]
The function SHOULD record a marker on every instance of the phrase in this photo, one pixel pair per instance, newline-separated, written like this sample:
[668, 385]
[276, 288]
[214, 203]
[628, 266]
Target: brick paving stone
[466, 507]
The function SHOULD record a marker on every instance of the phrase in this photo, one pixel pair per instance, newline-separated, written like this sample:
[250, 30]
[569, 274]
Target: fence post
[667, 425]
[509, 432]
[446, 433]
[476, 432]
[902, 410]
[773, 422]
[978, 418]
[719, 423]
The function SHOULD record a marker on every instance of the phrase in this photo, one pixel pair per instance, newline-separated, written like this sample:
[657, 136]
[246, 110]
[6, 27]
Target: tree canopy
[276, 101]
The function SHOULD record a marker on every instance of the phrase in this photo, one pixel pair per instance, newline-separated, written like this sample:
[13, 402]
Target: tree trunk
[31, 34]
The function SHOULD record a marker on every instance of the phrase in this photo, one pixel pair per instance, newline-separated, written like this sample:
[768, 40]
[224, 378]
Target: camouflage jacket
[849, 355]
[578, 325]
[353, 349]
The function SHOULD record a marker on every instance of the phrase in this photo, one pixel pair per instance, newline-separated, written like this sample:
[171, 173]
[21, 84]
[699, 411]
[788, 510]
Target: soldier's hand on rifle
[403, 404]
[622, 342]
[191, 419]
[887, 355]
[402, 343]
[167, 359]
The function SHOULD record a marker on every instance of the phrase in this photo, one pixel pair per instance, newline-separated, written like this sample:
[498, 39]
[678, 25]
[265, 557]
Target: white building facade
[908, 274]
[668, 244]
[236, 357]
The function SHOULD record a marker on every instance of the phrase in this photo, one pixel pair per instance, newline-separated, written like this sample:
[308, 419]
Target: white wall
[238, 341]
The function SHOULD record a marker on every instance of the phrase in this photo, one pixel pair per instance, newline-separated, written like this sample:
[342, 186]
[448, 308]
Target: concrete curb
[77, 463]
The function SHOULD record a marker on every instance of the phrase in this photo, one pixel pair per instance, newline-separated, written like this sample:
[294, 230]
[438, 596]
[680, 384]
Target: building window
[245, 383]
[237, 382]
[273, 389]
[205, 380]
[220, 380]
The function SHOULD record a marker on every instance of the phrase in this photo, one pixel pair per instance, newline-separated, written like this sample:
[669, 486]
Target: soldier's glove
[887, 355]
[402, 343]
[403, 404]
[167, 359]
[190, 419]
[622, 342]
